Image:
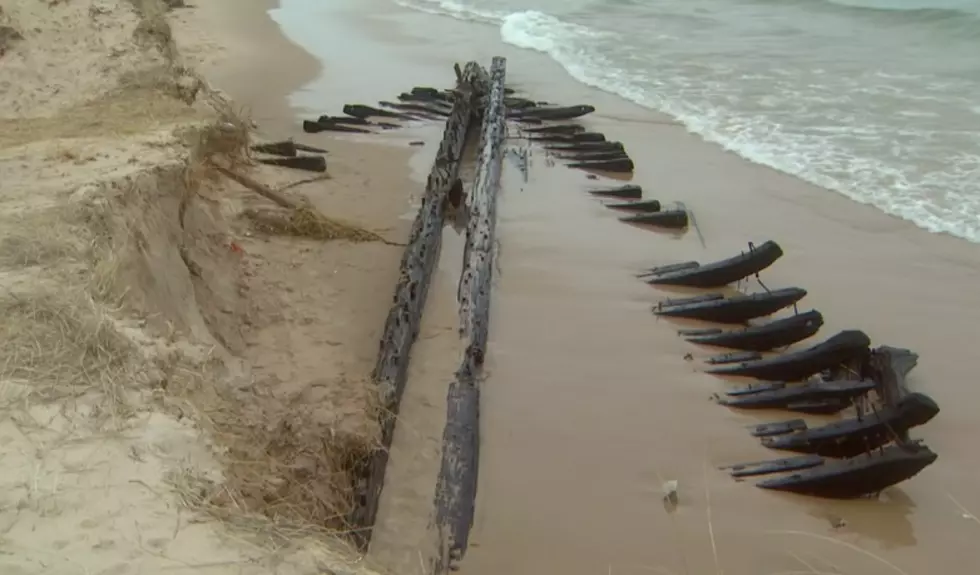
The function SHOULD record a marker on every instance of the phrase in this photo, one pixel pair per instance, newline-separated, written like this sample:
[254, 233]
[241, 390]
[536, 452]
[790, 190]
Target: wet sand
[590, 404]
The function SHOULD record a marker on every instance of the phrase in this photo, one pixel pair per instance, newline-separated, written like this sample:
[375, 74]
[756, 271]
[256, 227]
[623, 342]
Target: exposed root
[298, 220]
[303, 222]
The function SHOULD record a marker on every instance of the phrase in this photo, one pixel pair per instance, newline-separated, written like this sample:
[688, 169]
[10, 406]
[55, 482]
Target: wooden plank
[402, 326]
[457, 482]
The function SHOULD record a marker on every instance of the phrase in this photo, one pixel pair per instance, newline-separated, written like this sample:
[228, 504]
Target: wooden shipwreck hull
[787, 395]
[723, 272]
[765, 337]
[629, 191]
[735, 309]
[851, 437]
[863, 475]
[844, 347]
[670, 219]
[648, 206]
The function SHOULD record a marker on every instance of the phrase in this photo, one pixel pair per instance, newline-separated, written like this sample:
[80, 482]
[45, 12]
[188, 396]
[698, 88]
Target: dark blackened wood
[308, 163]
[404, 318]
[585, 147]
[362, 111]
[311, 149]
[671, 219]
[457, 482]
[314, 127]
[557, 129]
[430, 109]
[889, 367]
[627, 192]
[621, 166]
[545, 113]
[575, 138]
[597, 157]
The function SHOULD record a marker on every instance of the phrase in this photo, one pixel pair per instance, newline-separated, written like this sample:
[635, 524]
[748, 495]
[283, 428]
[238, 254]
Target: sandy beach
[170, 370]
[187, 381]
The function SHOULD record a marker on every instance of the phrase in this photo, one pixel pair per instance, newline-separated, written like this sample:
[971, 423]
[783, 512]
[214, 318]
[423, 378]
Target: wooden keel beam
[457, 481]
[404, 317]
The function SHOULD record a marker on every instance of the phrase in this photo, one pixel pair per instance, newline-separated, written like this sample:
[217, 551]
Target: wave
[957, 14]
[826, 157]
[454, 10]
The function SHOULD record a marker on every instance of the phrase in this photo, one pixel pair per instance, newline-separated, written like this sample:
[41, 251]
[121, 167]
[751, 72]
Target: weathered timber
[433, 109]
[596, 156]
[866, 474]
[767, 336]
[796, 394]
[310, 149]
[723, 272]
[547, 113]
[308, 163]
[756, 388]
[286, 148]
[457, 481]
[362, 111]
[734, 357]
[629, 192]
[774, 465]
[648, 206]
[888, 367]
[735, 309]
[404, 317]
[778, 428]
[854, 436]
[689, 300]
[584, 146]
[557, 129]
[313, 127]
[669, 268]
[827, 406]
[343, 120]
[620, 166]
[837, 350]
[575, 138]
[670, 219]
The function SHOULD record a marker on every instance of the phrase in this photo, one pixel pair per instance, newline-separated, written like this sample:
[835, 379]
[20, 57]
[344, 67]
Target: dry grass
[281, 461]
[40, 239]
[303, 222]
[57, 338]
[65, 346]
[288, 475]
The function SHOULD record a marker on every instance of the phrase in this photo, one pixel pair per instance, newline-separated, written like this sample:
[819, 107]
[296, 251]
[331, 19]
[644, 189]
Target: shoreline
[589, 405]
[735, 201]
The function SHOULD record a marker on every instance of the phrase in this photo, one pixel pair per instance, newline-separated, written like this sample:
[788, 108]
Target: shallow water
[871, 98]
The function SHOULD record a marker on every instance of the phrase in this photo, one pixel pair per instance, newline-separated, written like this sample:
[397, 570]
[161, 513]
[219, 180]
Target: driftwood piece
[457, 482]
[287, 148]
[258, 187]
[404, 317]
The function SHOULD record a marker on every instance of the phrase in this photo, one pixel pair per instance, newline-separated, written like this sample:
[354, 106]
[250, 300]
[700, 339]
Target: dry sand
[180, 392]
